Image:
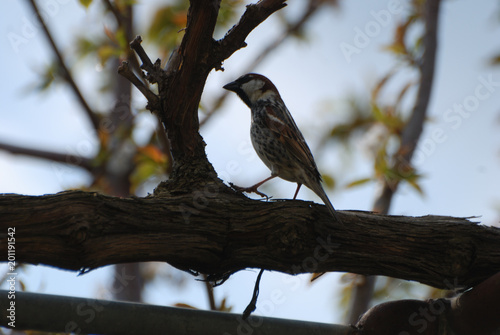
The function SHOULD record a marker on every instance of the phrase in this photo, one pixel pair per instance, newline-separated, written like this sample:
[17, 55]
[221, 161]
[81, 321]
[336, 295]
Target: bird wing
[287, 132]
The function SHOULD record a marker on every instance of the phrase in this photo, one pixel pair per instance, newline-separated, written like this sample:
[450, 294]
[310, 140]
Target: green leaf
[227, 13]
[377, 113]
[85, 46]
[85, 3]
[359, 182]
[388, 117]
[381, 165]
[416, 187]
[149, 161]
[413, 179]
[167, 23]
[328, 180]
[121, 37]
[105, 52]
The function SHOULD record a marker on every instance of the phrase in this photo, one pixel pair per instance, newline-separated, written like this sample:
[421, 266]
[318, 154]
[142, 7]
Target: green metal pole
[52, 313]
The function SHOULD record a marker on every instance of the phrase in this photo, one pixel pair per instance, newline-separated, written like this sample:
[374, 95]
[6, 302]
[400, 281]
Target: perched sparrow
[276, 138]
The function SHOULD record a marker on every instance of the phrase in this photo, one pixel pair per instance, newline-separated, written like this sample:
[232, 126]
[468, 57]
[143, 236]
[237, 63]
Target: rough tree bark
[218, 232]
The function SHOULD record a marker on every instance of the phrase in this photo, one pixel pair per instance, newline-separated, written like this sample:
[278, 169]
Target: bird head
[253, 88]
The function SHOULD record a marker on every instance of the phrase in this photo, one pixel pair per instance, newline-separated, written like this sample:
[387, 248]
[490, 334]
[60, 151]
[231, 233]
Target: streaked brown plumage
[276, 138]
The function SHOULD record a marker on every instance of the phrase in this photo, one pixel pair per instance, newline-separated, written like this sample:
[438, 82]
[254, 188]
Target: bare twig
[153, 100]
[290, 30]
[210, 293]
[123, 22]
[71, 159]
[138, 82]
[294, 28]
[253, 303]
[93, 117]
[413, 129]
[253, 16]
[137, 47]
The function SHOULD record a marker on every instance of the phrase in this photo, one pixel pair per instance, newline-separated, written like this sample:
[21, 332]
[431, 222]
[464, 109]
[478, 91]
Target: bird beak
[232, 86]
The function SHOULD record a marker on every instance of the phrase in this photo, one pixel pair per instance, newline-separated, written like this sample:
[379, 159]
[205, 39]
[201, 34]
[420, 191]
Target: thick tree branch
[181, 86]
[217, 232]
[180, 94]
[94, 119]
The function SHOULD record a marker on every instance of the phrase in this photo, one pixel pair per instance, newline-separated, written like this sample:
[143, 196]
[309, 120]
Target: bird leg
[297, 191]
[254, 188]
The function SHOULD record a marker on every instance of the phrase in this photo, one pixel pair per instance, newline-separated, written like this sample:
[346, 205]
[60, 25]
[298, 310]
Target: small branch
[312, 8]
[214, 231]
[253, 303]
[210, 293]
[155, 73]
[413, 129]
[93, 117]
[409, 139]
[165, 145]
[126, 25]
[71, 159]
[254, 15]
[291, 29]
[153, 100]
[116, 13]
[146, 61]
